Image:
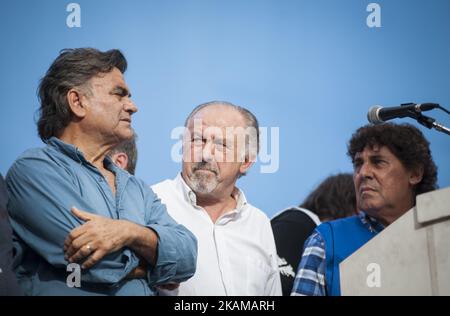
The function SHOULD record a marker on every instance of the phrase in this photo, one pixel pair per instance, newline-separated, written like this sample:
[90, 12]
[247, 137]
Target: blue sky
[312, 68]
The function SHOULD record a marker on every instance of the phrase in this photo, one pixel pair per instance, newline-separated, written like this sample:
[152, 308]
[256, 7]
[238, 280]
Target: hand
[96, 238]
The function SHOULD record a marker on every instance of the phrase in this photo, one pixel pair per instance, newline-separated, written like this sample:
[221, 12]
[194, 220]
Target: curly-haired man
[392, 164]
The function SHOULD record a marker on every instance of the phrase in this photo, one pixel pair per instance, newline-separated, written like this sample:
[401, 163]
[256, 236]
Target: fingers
[85, 216]
[80, 230]
[81, 253]
[76, 244]
[89, 255]
[93, 259]
[74, 234]
[94, 239]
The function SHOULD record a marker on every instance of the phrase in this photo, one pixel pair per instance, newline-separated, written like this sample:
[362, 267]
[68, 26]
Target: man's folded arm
[41, 196]
[176, 252]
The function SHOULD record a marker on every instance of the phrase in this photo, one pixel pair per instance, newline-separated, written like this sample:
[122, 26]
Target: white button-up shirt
[236, 255]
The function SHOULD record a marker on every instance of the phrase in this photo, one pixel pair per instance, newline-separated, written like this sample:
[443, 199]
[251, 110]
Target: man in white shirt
[236, 248]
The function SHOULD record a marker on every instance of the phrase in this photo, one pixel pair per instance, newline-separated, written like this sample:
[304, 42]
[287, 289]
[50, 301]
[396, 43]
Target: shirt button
[100, 179]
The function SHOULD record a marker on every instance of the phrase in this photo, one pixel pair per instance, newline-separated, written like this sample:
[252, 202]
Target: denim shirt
[44, 183]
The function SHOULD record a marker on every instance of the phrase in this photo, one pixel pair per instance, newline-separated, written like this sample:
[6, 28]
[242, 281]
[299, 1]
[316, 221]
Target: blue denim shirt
[44, 183]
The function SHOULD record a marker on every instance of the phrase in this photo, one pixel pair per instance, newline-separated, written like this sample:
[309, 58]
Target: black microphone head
[372, 115]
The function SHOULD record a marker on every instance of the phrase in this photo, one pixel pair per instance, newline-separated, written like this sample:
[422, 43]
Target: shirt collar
[67, 149]
[74, 153]
[370, 222]
[190, 196]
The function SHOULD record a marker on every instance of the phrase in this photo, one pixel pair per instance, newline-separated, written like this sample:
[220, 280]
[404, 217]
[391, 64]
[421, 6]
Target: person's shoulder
[295, 215]
[342, 221]
[163, 185]
[154, 190]
[45, 153]
[294, 224]
[33, 158]
[33, 153]
[257, 213]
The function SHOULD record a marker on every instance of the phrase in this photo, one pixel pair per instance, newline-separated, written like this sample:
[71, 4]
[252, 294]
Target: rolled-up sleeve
[41, 194]
[176, 249]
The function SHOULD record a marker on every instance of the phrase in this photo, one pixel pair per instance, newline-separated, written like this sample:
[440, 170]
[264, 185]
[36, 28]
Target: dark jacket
[291, 228]
[8, 282]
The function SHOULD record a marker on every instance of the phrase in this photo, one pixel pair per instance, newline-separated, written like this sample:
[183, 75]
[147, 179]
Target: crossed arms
[141, 242]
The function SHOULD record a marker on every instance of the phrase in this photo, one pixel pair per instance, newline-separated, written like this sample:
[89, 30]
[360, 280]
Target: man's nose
[366, 170]
[208, 151]
[130, 107]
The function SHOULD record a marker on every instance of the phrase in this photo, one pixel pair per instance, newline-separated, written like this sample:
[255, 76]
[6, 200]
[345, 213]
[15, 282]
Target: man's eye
[379, 162]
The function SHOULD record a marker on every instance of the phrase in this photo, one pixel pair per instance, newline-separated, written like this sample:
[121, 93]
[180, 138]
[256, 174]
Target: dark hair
[72, 68]
[334, 198]
[406, 142]
[129, 148]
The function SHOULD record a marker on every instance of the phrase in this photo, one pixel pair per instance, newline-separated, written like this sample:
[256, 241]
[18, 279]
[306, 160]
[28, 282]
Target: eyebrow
[371, 157]
[122, 91]
[216, 139]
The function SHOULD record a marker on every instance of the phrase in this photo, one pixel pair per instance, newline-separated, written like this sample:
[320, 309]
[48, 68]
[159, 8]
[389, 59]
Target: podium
[409, 257]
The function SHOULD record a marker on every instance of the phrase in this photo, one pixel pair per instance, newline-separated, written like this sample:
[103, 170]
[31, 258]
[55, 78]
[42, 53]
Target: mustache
[204, 166]
[367, 185]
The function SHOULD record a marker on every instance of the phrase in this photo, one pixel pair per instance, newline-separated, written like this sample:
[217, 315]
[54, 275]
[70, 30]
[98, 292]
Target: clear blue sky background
[310, 67]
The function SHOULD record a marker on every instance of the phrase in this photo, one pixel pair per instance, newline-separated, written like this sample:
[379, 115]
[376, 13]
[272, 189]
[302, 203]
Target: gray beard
[203, 184]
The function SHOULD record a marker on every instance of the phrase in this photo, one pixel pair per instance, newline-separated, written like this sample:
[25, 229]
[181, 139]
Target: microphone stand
[429, 122]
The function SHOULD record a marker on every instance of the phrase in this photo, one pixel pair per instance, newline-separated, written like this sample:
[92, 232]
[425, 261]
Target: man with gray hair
[236, 248]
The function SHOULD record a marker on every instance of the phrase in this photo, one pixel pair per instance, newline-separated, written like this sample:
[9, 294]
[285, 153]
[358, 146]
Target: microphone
[378, 114]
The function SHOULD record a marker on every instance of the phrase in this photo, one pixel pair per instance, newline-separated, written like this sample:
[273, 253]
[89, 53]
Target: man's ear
[121, 160]
[245, 166]
[76, 106]
[416, 175]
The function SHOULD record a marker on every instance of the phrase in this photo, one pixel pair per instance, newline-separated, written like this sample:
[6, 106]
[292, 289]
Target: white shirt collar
[236, 254]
